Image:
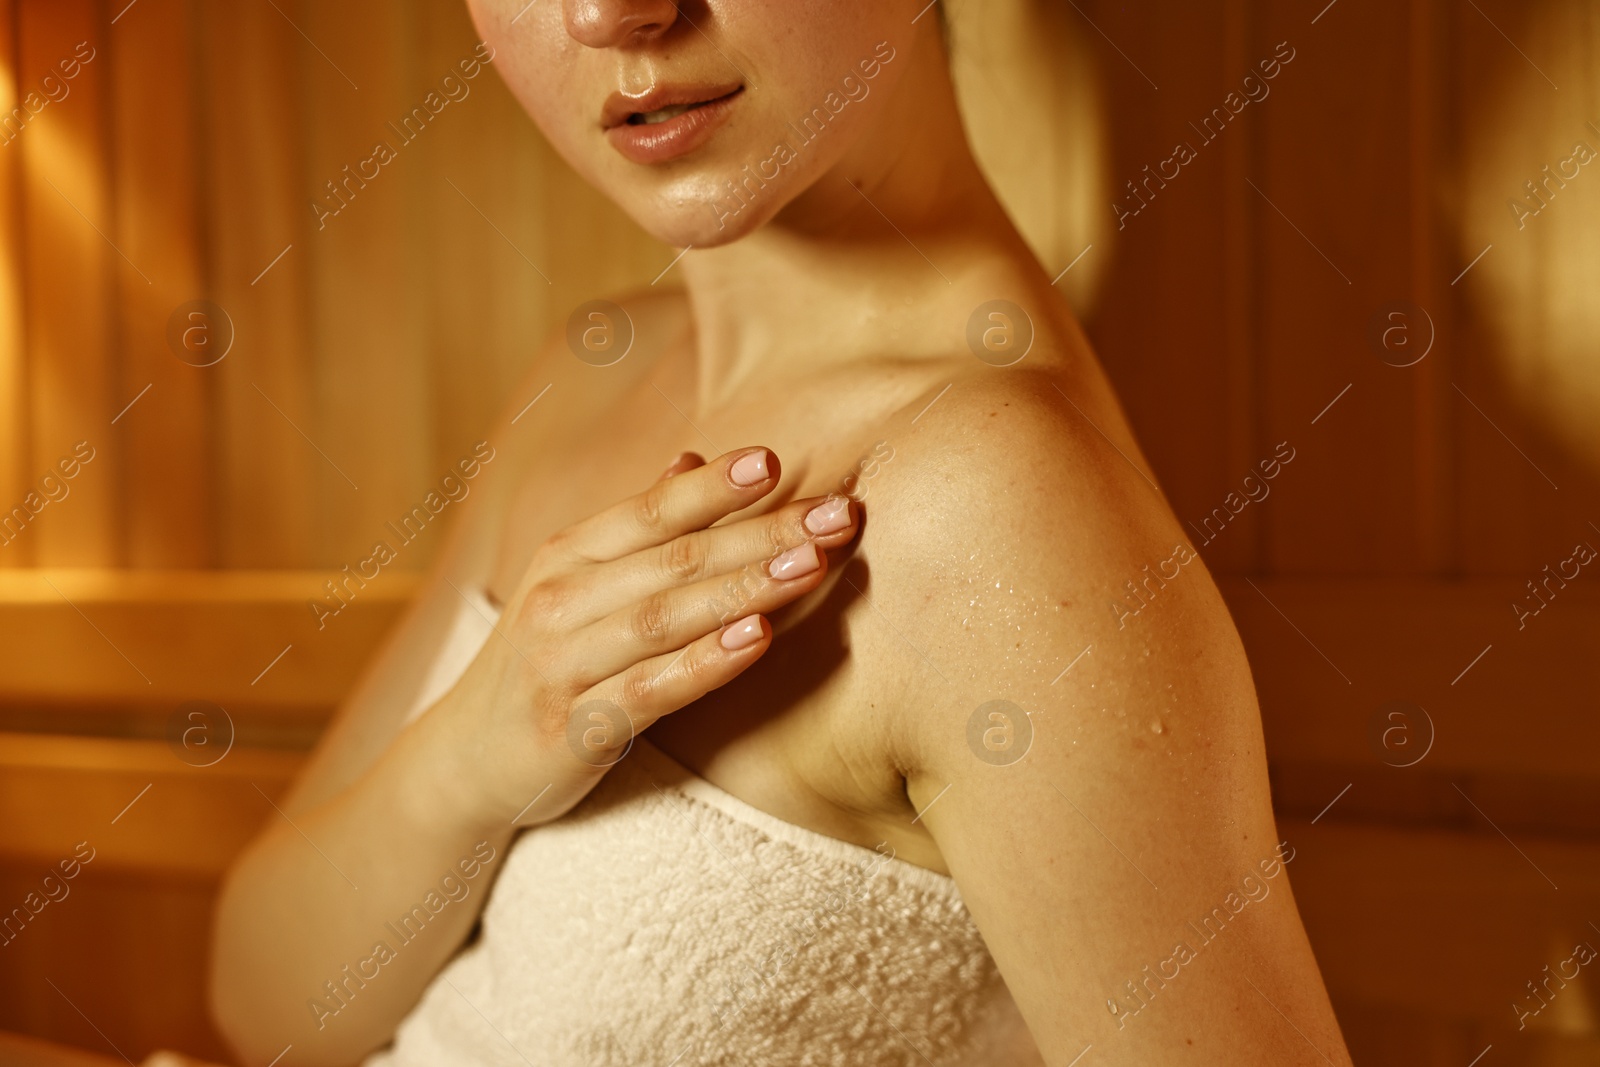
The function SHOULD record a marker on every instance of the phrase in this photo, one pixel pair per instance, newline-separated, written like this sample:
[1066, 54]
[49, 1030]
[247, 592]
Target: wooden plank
[130, 953]
[1170, 312]
[71, 266]
[1528, 314]
[369, 338]
[485, 304]
[125, 942]
[1334, 214]
[114, 639]
[1450, 925]
[1429, 97]
[1381, 1035]
[256, 230]
[1241, 363]
[58, 791]
[1526, 707]
[16, 435]
[37, 1052]
[166, 482]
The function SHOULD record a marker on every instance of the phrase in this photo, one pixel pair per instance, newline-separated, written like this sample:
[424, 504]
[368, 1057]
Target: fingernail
[798, 561]
[829, 516]
[742, 634]
[748, 470]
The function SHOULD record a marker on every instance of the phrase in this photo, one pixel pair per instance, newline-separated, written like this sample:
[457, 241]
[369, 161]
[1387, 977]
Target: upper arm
[1121, 794]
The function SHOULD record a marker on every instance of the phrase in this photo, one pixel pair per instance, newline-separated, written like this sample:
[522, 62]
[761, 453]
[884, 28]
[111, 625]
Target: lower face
[705, 132]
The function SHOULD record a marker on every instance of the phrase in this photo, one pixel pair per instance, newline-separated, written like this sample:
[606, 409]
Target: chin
[706, 213]
[694, 228]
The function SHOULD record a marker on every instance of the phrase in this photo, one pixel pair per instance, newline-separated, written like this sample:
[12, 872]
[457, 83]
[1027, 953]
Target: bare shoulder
[1075, 721]
[1018, 541]
[1003, 433]
[1023, 471]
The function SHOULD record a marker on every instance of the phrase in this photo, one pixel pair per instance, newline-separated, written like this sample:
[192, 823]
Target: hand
[626, 617]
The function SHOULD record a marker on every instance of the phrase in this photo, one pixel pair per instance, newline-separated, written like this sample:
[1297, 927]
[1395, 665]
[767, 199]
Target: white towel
[665, 921]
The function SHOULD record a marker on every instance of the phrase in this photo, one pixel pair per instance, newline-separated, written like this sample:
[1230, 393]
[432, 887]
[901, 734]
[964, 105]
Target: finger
[828, 522]
[669, 619]
[663, 684]
[673, 506]
[686, 461]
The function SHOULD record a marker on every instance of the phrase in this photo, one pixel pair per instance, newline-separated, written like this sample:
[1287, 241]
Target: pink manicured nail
[796, 562]
[830, 516]
[748, 470]
[742, 634]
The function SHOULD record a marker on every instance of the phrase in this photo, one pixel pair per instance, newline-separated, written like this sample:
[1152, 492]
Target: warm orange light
[1532, 191]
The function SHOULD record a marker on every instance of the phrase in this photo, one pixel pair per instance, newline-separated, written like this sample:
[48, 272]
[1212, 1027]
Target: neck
[904, 218]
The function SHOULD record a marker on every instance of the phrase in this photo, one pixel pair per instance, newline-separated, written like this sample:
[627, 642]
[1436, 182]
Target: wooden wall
[182, 165]
[1234, 311]
[1388, 554]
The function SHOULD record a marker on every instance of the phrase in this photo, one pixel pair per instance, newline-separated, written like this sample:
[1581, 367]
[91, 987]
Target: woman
[755, 777]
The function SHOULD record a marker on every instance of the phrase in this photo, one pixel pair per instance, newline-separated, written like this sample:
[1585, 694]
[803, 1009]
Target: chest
[794, 735]
[577, 467]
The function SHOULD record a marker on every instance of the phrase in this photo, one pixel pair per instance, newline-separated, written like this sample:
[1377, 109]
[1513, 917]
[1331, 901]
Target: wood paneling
[190, 822]
[254, 197]
[370, 333]
[1172, 328]
[15, 406]
[71, 271]
[1328, 267]
[98, 639]
[1388, 555]
[1524, 708]
[1446, 930]
[127, 940]
[166, 474]
[1528, 311]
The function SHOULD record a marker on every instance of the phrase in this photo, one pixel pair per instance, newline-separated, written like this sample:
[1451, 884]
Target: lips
[668, 122]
